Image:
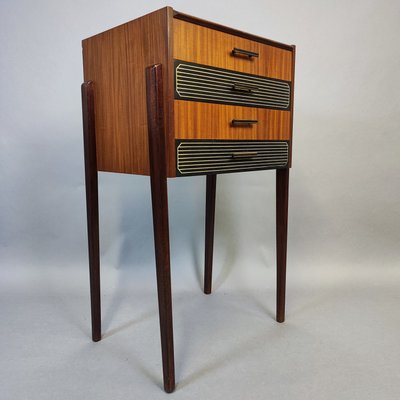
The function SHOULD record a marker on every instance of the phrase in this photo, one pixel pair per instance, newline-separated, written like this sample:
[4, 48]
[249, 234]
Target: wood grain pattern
[203, 45]
[195, 120]
[227, 29]
[116, 60]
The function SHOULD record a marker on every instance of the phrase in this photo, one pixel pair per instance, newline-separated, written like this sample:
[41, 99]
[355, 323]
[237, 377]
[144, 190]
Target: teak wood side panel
[115, 61]
[203, 45]
[195, 120]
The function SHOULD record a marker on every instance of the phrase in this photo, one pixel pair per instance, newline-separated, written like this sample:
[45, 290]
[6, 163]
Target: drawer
[198, 120]
[198, 82]
[201, 45]
[199, 157]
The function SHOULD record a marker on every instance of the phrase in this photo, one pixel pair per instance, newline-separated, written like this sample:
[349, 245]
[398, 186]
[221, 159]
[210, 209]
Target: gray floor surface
[341, 339]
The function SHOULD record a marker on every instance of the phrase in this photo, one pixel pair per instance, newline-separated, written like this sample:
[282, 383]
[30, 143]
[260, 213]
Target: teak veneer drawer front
[203, 45]
[194, 120]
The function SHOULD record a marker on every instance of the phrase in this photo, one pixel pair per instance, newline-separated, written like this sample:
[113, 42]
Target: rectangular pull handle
[244, 154]
[244, 88]
[243, 122]
[240, 52]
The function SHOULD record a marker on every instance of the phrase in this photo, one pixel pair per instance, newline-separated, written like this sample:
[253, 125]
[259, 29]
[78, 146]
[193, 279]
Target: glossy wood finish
[282, 202]
[211, 182]
[116, 61]
[92, 205]
[195, 120]
[159, 196]
[203, 45]
[227, 29]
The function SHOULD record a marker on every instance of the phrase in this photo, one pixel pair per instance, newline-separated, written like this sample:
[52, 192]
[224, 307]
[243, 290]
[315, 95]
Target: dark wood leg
[282, 197]
[209, 239]
[159, 195]
[92, 205]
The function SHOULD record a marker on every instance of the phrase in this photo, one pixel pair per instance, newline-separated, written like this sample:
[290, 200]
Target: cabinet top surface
[212, 25]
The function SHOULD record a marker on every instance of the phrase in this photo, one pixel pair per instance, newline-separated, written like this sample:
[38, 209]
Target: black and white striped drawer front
[203, 83]
[201, 157]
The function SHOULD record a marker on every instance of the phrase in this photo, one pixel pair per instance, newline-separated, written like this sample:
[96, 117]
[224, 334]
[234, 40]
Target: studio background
[340, 340]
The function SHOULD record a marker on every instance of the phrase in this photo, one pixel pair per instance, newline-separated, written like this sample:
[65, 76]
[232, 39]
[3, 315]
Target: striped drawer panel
[198, 82]
[200, 157]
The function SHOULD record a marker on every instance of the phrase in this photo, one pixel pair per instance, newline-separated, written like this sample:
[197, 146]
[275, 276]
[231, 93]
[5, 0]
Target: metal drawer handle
[240, 52]
[243, 122]
[240, 87]
[244, 154]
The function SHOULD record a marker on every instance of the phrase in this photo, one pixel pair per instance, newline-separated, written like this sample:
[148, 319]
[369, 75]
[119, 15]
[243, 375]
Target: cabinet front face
[229, 88]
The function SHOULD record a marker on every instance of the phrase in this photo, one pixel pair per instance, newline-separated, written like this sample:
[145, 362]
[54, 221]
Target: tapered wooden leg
[282, 197]
[159, 195]
[92, 205]
[209, 239]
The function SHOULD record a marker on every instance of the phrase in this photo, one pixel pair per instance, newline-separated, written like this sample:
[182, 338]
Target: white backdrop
[345, 181]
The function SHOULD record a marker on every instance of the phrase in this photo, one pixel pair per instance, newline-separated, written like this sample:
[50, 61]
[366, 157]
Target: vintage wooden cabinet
[170, 95]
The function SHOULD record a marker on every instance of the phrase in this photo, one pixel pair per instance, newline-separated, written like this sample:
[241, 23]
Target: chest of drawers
[219, 84]
[170, 95]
